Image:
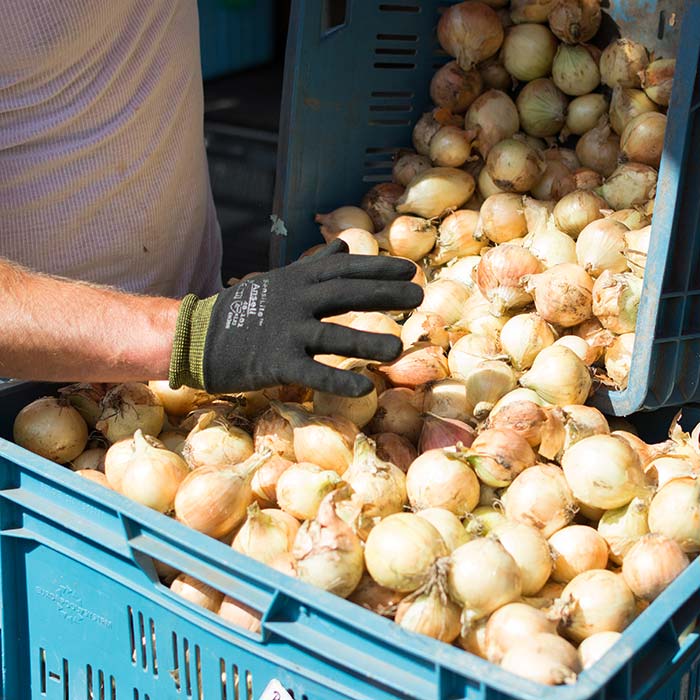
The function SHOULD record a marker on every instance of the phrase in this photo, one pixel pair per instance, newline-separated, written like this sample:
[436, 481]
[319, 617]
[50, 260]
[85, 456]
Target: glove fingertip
[358, 385]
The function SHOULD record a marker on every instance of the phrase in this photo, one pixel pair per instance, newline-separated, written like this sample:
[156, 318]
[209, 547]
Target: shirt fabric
[103, 172]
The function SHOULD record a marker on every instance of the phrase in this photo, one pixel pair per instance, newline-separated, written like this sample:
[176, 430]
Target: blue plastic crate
[354, 90]
[235, 34]
[84, 615]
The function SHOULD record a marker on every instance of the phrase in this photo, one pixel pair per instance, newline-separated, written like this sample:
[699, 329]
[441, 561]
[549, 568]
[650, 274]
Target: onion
[442, 479]
[128, 407]
[456, 237]
[424, 130]
[625, 105]
[587, 179]
[85, 399]
[639, 225]
[569, 424]
[596, 601]
[240, 615]
[599, 247]
[494, 75]
[499, 455]
[629, 185]
[273, 431]
[558, 376]
[409, 165]
[530, 10]
[496, 117]
[643, 138]
[94, 475]
[577, 548]
[486, 184]
[523, 337]
[327, 552]
[341, 219]
[374, 597]
[523, 417]
[556, 182]
[575, 21]
[621, 62]
[618, 359]
[651, 564]
[514, 166]
[266, 534]
[661, 470]
[603, 471]
[380, 204]
[593, 648]
[395, 449]
[396, 413]
[541, 497]
[434, 191]
[213, 443]
[119, 456]
[511, 625]
[214, 501]
[322, 440]
[477, 319]
[576, 210]
[529, 549]
[584, 113]
[401, 550]
[616, 301]
[471, 32]
[448, 525]
[360, 242]
[473, 639]
[439, 432]
[197, 592]
[264, 484]
[657, 80]
[408, 236]
[178, 402]
[446, 298]
[574, 70]
[544, 658]
[419, 364]
[423, 327]
[598, 149]
[451, 146]
[91, 459]
[455, 89]
[482, 578]
[675, 513]
[528, 51]
[302, 487]
[501, 218]
[51, 428]
[500, 277]
[358, 410]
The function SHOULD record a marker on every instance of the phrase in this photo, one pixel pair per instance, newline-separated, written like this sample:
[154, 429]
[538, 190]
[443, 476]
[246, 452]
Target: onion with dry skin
[495, 116]
[434, 191]
[626, 104]
[563, 294]
[128, 407]
[574, 71]
[657, 80]
[528, 51]
[643, 138]
[409, 237]
[544, 658]
[584, 113]
[408, 165]
[456, 237]
[577, 548]
[343, 218]
[419, 364]
[576, 210]
[501, 218]
[512, 624]
[598, 149]
[380, 203]
[630, 185]
[514, 166]
[455, 89]
[621, 62]
[575, 21]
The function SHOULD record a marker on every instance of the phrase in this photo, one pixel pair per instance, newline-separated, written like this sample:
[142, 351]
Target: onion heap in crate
[472, 496]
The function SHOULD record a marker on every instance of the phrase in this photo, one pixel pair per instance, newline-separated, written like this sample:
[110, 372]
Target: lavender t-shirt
[103, 173]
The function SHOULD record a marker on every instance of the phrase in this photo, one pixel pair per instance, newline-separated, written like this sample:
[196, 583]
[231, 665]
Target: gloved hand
[265, 331]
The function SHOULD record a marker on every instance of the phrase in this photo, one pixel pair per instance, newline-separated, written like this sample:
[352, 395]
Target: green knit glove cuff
[187, 358]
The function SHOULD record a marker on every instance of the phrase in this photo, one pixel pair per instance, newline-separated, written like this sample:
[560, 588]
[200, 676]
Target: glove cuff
[187, 358]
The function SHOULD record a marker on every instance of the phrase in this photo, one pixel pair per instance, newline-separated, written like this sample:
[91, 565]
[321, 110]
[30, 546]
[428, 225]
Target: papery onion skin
[502, 218]
[630, 185]
[576, 210]
[342, 218]
[434, 191]
[197, 592]
[127, 407]
[409, 237]
[494, 75]
[625, 105]
[675, 512]
[544, 658]
[575, 21]
[594, 647]
[577, 548]
[574, 71]
[498, 455]
[454, 88]
[643, 139]
[528, 51]
[621, 62]
[618, 359]
[448, 525]
[495, 115]
[408, 165]
[531, 552]
[584, 112]
[511, 624]
[657, 80]
[559, 376]
[600, 247]
[523, 417]
[514, 166]
[451, 146]
[431, 613]
[598, 149]
[542, 108]
[530, 10]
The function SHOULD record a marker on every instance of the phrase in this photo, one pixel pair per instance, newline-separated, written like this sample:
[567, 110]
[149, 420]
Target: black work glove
[265, 331]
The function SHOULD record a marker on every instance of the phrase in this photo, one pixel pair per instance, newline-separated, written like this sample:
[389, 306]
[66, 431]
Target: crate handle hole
[334, 15]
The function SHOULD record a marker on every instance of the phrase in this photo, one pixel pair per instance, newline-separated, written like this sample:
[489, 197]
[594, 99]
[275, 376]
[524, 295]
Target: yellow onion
[442, 479]
[498, 455]
[128, 407]
[397, 413]
[152, 475]
[439, 432]
[446, 298]
[119, 456]
[178, 402]
[501, 218]
[500, 277]
[528, 51]
[514, 166]
[51, 428]
[451, 146]
[575, 21]
[657, 80]
[197, 592]
[214, 501]
[273, 431]
[408, 237]
[512, 624]
[477, 319]
[446, 398]
[530, 10]
[625, 105]
[603, 471]
[434, 191]
[556, 182]
[265, 480]
[486, 185]
[240, 615]
[523, 417]
[85, 399]
[599, 247]
[455, 237]
[523, 337]
[544, 658]
[494, 75]
[651, 564]
[529, 549]
[360, 242]
[495, 115]
[401, 550]
[380, 203]
[596, 601]
[593, 648]
[460, 270]
[467, 354]
[642, 140]
[584, 113]
[327, 552]
[358, 410]
[470, 32]
[266, 534]
[545, 241]
[569, 424]
[482, 578]
[372, 596]
[639, 225]
[541, 107]
[486, 384]
[576, 210]
[473, 639]
[675, 512]
[341, 219]
[214, 443]
[621, 62]
[419, 364]
[424, 130]
[425, 327]
[455, 89]
[618, 359]
[395, 449]
[563, 294]
[91, 459]
[577, 548]
[448, 525]
[483, 520]
[587, 179]
[574, 71]
[661, 470]
[322, 440]
[302, 487]
[558, 376]
[616, 301]
[598, 149]
[408, 165]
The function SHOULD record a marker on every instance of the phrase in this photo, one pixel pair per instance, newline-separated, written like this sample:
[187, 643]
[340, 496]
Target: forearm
[58, 330]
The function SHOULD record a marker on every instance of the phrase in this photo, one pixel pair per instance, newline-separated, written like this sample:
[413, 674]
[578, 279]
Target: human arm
[59, 330]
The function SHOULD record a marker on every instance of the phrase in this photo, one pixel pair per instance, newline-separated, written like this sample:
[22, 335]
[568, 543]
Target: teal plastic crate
[357, 81]
[84, 615]
[235, 34]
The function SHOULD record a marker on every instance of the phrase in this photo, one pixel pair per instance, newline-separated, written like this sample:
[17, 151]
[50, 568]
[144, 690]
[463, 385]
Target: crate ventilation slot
[142, 640]
[47, 675]
[186, 669]
[98, 686]
[138, 696]
[238, 685]
[386, 7]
